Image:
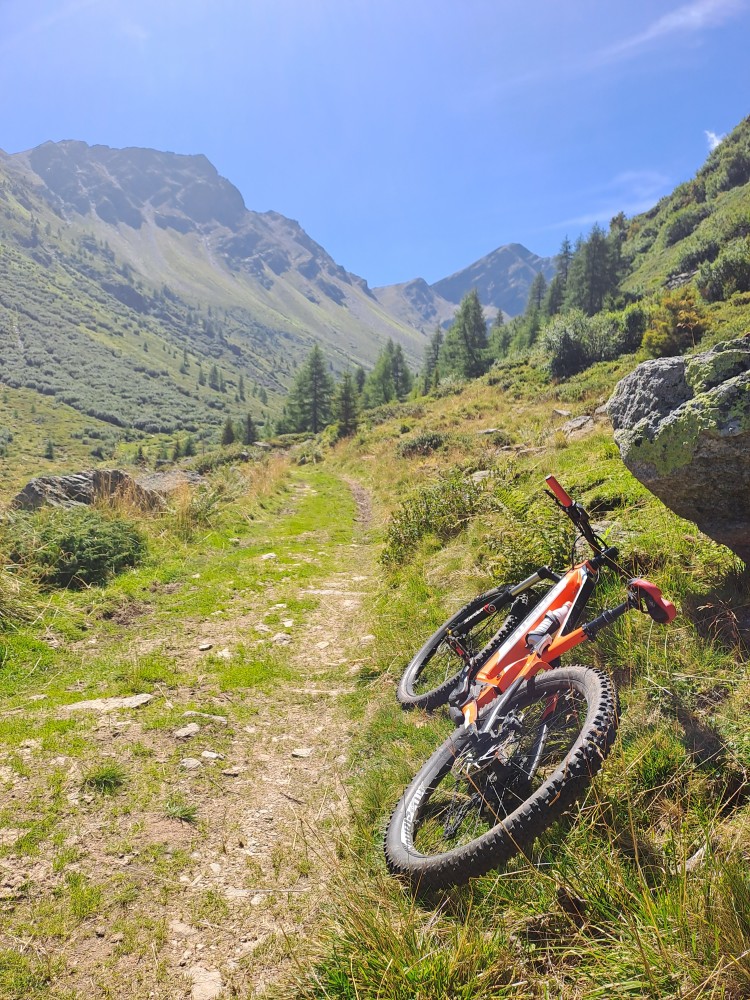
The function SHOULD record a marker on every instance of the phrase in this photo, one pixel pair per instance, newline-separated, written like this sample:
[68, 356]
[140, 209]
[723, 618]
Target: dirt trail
[216, 906]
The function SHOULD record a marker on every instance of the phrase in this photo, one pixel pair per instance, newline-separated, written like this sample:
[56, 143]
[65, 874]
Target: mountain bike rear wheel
[434, 671]
[480, 799]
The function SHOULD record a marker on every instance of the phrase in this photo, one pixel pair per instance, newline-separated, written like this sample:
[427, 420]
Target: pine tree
[402, 377]
[345, 405]
[201, 376]
[309, 401]
[431, 357]
[241, 387]
[537, 293]
[590, 274]
[464, 351]
[249, 430]
[227, 434]
[379, 388]
[189, 448]
[213, 378]
[360, 377]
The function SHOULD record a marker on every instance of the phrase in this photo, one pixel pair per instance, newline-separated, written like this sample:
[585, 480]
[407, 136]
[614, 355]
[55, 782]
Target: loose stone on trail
[302, 752]
[190, 763]
[204, 646]
[187, 732]
[207, 983]
[108, 704]
[269, 555]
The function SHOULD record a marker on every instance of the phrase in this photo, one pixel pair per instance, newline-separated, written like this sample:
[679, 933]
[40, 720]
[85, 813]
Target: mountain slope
[122, 271]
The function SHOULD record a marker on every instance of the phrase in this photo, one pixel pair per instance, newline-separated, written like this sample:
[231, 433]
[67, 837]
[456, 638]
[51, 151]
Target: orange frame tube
[513, 660]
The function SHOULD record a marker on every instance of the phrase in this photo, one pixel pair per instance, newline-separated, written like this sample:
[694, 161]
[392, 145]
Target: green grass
[640, 923]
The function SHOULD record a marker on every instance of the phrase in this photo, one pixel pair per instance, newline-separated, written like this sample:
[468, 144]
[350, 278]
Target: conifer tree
[249, 430]
[227, 434]
[431, 357]
[402, 377]
[359, 378]
[345, 405]
[213, 378]
[309, 402]
[464, 351]
[241, 387]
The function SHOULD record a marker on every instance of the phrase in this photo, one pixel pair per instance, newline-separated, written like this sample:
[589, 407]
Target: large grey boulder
[683, 429]
[84, 488]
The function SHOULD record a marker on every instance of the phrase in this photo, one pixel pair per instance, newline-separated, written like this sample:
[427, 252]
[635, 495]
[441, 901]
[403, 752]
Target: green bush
[728, 274]
[75, 547]
[422, 444]
[442, 509]
[684, 223]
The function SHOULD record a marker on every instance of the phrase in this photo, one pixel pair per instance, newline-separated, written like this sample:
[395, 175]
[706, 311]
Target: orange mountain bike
[529, 737]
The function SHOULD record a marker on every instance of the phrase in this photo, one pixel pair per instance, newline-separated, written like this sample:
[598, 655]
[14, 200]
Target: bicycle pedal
[456, 715]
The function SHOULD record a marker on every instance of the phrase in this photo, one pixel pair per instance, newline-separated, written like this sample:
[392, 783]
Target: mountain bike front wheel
[481, 798]
[434, 671]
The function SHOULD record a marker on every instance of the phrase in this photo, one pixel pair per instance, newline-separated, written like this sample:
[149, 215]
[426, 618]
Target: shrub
[442, 509]
[677, 324]
[76, 547]
[728, 274]
[684, 223]
[422, 444]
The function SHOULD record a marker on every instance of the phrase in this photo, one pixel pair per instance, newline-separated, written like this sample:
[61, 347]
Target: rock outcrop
[683, 429]
[85, 488]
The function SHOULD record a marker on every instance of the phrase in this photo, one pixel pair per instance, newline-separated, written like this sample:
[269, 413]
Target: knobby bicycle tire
[433, 672]
[509, 819]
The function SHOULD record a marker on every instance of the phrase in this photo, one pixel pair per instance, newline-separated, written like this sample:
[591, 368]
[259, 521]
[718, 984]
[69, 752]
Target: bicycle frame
[513, 663]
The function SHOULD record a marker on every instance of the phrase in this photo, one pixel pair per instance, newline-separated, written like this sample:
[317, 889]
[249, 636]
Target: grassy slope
[643, 924]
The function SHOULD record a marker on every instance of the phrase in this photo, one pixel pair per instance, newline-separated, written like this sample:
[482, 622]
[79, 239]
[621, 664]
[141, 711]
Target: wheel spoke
[488, 780]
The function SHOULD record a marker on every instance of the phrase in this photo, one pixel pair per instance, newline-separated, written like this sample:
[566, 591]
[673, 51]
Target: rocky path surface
[209, 897]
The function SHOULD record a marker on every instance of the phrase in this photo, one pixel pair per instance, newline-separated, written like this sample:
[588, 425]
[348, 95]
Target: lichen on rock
[683, 429]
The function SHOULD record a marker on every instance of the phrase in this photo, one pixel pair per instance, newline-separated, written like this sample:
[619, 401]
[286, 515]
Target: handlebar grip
[558, 491]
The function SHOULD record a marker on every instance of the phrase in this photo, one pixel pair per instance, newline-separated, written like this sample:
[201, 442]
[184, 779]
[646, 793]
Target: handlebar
[575, 512]
[559, 493]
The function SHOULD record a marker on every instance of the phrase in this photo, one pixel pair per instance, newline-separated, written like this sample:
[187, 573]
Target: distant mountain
[416, 304]
[503, 279]
[124, 270]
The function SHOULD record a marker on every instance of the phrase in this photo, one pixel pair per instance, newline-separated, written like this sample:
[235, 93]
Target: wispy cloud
[631, 192]
[713, 139]
[691, 18]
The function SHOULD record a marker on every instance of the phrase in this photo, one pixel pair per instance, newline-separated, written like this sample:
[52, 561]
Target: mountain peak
[129, 185]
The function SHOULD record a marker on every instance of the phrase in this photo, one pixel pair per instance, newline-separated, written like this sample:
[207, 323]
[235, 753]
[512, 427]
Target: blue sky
[408, 137]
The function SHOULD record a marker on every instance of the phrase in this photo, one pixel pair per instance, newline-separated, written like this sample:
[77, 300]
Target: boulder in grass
[85, 488]
[683, 429]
